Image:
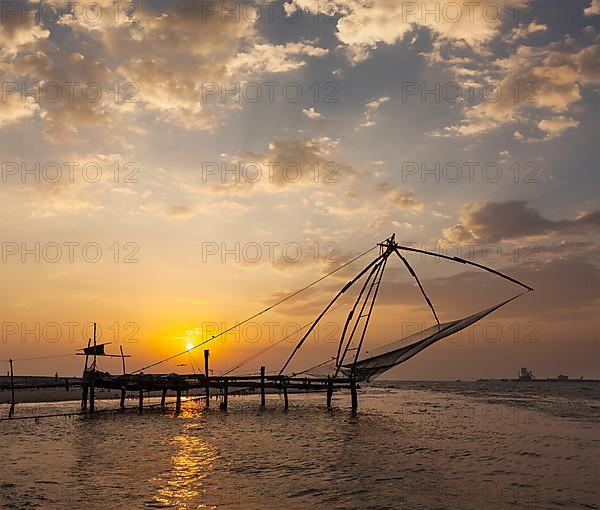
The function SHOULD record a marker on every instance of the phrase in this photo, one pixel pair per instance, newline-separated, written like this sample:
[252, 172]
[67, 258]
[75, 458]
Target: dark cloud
[495, 221]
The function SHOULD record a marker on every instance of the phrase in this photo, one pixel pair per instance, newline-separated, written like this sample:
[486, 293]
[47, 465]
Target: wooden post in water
[84, 386]
[263, 402]
[225, 395]
[141, 404]
[92, 392]
[206, 355]
[329, 391]
[84, 396]
[163, 398]
[354, 394]
[94, 346]
[93, 385]
[12, 390]
[178, 401]
[285, 395]
[122, 403]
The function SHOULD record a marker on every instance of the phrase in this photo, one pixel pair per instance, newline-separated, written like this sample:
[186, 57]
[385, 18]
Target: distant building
[562, 377]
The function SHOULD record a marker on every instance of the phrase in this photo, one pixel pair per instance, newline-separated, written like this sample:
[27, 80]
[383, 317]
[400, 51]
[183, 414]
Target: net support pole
[377, 276]
[141, 401]
[329, 391]
[338, 362]
[122, 401]
[377, 284]
[163, 397]
[178, 401]
[122, 359]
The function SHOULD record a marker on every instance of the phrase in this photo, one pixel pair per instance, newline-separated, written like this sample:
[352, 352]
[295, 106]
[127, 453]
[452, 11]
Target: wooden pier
[179, 384]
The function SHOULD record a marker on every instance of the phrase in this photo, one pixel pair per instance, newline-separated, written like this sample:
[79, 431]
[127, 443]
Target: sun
[189, 347]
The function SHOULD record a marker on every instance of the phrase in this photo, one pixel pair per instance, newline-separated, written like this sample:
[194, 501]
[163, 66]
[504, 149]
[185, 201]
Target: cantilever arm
[412, 272]
[344, 289]
[463, 261]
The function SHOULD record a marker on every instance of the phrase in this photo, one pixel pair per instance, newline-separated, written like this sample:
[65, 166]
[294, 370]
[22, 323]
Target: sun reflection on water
[182, 486]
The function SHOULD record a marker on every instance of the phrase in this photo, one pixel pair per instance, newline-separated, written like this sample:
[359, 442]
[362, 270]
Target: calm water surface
[411, 445]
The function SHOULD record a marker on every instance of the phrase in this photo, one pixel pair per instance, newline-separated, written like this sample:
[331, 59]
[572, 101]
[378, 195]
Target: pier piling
[122, 402]
[84, 396]
[141, 403]
[206, 356]
[263, 402]
[329, 392]
[163, 398]
[285, 395]
[12, 390]
[225, 396]
[178, 401]
[92, 395]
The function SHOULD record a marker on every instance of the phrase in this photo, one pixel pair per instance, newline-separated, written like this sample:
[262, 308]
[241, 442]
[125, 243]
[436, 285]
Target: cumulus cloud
[523, 32]
[486, 222]
[362, 26]
[593, 9]
[165, 56]
[555, 126]
[311, 113]
[269, 58]
[533, 81]
[399, 197]
[19, 28]
[14, 109]
[371, 107]
[307, 161]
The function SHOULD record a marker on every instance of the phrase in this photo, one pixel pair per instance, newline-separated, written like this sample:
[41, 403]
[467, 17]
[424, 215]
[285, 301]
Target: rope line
[256, 314]
[38, 358]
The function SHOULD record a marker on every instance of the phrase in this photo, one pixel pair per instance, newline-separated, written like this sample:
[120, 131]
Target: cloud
[532, 82]
[548, 79]
[363, 26]
[268, 58]
[522, 32]
[593, 9]
[19, 28]
[311, 113]
[371, 107]
[497, 221]
[165, 55]
[555, 126]
[14, 109]
[308, 161]
[398, 197]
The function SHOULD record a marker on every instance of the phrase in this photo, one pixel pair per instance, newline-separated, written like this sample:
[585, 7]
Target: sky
[171, 168]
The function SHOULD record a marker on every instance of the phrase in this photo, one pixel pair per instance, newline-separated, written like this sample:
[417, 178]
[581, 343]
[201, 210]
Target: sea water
[469, 445]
